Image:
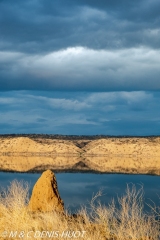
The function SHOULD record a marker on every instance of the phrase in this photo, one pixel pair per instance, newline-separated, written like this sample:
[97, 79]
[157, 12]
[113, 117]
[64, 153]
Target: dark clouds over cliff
[86, 48]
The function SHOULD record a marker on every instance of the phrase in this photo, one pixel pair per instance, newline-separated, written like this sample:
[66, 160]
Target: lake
[77, 189]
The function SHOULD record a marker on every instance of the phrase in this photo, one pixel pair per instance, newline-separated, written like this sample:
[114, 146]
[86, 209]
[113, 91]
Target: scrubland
[127, 221]
[118, 155]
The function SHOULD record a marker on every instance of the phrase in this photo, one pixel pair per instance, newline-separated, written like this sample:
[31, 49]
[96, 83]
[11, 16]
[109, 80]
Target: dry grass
[126, 222]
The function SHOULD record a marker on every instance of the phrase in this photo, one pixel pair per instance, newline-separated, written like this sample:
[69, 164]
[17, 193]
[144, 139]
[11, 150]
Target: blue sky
[80, 67]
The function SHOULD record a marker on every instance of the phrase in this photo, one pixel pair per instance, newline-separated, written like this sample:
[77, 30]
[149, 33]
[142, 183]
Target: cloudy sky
[80, 67]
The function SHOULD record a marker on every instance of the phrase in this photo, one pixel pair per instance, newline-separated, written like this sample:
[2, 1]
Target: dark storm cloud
[33, 26]
[79, 45]
[112, 113]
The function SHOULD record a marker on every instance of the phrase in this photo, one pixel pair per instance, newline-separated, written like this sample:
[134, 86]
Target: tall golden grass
[124, 222]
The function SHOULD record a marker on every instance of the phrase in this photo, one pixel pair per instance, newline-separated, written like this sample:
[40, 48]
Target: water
[77, 189]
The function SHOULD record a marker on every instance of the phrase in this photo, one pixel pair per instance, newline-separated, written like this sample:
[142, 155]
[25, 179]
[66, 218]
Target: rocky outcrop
[45, 196]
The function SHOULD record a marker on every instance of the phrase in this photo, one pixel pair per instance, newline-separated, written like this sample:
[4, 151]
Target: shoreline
[78, 171]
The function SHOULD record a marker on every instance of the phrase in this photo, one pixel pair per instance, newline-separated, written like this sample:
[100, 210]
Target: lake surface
[77, 189]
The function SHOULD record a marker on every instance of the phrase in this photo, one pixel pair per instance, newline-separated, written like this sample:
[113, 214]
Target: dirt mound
[45, 196]
[27, 146]
[124, 146]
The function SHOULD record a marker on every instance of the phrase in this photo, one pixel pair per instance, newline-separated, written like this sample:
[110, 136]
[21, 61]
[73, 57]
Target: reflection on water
[77, 189]
[111, 163]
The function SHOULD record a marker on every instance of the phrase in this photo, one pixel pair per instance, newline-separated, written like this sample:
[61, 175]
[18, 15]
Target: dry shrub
[127, 221]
